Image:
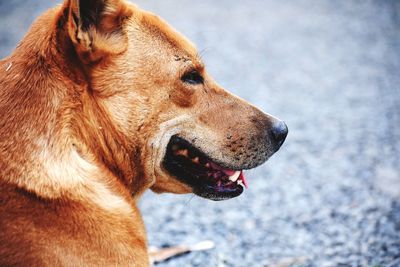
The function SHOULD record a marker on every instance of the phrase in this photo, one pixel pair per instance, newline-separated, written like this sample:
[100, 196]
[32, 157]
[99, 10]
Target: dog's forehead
[167, 36]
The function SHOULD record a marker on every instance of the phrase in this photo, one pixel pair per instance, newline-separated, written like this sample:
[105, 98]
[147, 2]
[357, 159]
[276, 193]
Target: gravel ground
[330, 69]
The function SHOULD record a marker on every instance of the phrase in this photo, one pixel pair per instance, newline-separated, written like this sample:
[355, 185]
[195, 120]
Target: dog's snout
[279, 131]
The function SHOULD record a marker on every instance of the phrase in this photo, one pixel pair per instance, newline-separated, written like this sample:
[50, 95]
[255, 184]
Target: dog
[100, 102]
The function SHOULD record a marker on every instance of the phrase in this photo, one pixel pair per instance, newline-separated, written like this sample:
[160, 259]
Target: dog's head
[149, 81]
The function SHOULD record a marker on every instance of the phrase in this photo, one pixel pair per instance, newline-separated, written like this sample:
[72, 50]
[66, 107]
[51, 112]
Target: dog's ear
[96, 28]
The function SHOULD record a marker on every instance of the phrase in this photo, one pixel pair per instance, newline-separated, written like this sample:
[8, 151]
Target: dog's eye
[193, 77]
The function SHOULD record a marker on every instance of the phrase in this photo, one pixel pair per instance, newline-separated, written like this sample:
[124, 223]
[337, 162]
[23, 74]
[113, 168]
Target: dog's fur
[88, 103]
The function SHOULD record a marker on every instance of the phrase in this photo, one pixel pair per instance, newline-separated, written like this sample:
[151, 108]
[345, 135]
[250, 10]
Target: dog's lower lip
[207, 178]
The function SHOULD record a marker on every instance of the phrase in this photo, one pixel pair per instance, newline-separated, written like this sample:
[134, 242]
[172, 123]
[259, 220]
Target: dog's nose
[279, 133]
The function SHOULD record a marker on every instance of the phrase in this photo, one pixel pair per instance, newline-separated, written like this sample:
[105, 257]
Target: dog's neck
[54, 136]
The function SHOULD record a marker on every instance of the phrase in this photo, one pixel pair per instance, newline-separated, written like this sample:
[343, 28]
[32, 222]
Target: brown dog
[98, 103]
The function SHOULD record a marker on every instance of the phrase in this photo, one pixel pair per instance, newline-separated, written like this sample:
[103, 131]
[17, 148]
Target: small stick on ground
[158, 255]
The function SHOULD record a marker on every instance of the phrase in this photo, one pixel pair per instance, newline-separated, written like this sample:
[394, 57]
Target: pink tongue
[241, 177]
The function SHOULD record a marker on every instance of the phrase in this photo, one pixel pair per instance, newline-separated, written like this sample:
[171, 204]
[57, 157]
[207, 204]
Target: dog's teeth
[196, 160]
[240, 182]
[235, 176]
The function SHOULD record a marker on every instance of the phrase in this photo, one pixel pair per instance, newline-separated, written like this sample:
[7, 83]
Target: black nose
[279, 133]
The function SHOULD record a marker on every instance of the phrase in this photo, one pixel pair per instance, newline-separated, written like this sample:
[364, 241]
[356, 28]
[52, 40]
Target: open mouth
[207, 178]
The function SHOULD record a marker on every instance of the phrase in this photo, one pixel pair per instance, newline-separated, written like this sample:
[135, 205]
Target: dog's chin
[194, 168]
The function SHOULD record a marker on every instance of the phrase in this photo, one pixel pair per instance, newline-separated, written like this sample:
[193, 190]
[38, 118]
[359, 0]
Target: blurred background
[330, 69]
